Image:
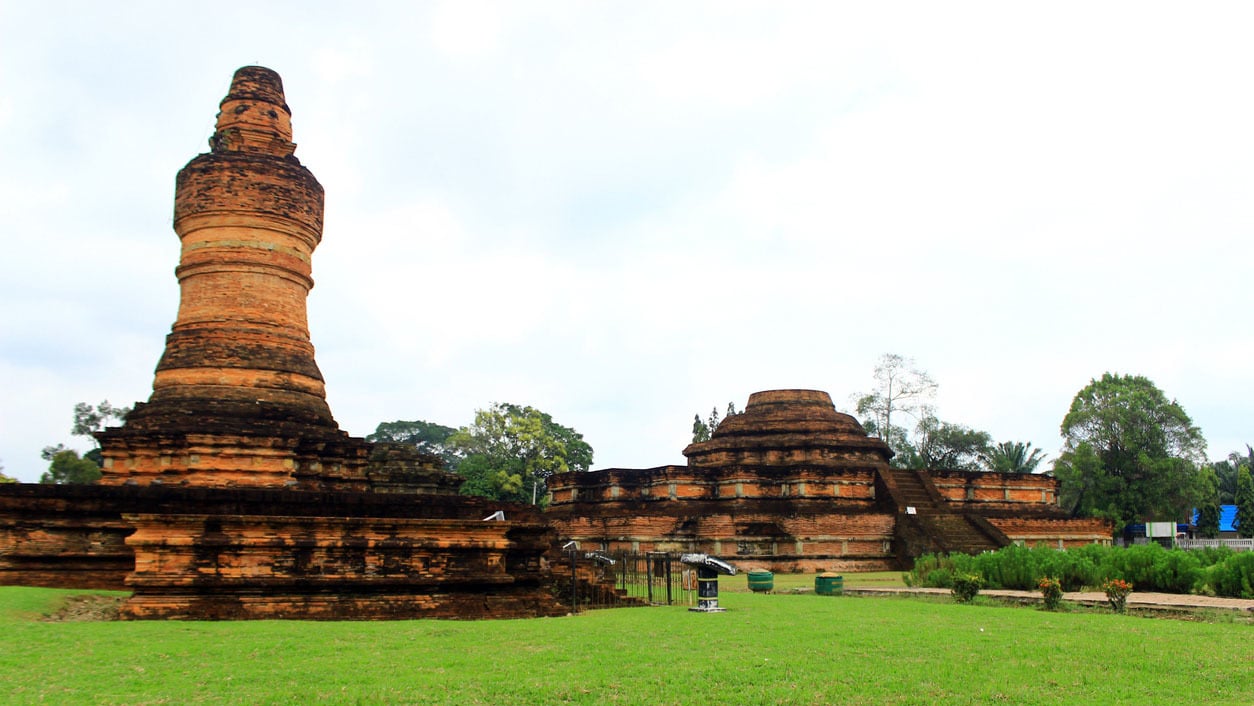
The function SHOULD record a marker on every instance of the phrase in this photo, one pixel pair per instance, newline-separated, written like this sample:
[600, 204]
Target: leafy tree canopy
[1226, 473]
[1245, 503]
[89, 420]
[427, 437]
[1208, 509]
[1012, 457]
[67, 467]
[510, 451]
[703, 430]
[939, 445]
[942, 445]
[1130, 454]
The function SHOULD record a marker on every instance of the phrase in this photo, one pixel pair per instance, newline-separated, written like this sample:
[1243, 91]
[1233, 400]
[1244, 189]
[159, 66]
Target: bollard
[707, 591]
[708, 569]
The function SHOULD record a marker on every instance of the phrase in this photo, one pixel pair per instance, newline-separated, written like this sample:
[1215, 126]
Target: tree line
[1130, 454]
[507, 453]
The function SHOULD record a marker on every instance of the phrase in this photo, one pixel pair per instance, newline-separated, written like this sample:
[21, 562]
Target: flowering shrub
[966, 586]
[1117, 591]
[1051, 591]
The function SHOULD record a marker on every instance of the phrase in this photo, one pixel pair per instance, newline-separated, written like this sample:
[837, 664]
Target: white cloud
[626, 214]
[467, 29]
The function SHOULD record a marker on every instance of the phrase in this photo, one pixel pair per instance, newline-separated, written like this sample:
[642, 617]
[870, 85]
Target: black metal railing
[597, 579]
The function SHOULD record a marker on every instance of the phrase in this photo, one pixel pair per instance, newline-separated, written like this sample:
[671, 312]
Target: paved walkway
[1161, 601]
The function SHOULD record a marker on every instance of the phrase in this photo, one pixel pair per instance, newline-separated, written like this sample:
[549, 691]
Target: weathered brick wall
[1054, 532]
[61, 541]
[795, 534]
[214, 553]
[682, 483]
[996, 490]
[267, 566]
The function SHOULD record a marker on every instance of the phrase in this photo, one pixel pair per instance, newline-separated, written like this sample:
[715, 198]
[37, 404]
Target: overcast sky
[627, 213]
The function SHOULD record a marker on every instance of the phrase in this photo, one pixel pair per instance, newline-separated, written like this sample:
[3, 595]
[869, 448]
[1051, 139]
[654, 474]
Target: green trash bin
[761, 581]
[829, 584]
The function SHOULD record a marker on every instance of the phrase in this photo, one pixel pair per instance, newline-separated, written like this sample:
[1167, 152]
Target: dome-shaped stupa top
[785, 427]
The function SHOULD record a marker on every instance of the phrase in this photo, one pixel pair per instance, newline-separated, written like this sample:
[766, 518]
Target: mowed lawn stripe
[766, 649]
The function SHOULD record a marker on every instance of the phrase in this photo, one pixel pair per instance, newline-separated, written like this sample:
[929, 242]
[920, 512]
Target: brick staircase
[910, 490]
[933, 526]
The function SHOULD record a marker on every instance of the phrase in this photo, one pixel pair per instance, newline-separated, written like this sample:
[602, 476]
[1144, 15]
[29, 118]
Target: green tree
[1012, 457]
[1208, 520]
[1226, 471]
[942, 445]
[88, 420]
[1208, 507]
[905, 454]
[900, 389]
[1245, 503]
[700, 430]
[1129, 453]
[67, 467]
[4, 478]
[703, 430]
[427, 437]
[510, 451]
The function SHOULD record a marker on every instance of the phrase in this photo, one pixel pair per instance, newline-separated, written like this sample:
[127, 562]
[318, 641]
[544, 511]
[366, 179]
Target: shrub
[966, 587]
[1176, 572]
[1234, 576]
[1117, 591]
[1072, 569]
[1051, 591]
[1149, 566]
[930, 571]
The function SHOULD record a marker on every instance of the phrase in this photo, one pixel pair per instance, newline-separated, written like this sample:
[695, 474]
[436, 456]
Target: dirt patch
[86, 607]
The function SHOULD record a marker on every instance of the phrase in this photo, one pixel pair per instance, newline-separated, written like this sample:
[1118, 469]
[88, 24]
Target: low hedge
[1148, 567]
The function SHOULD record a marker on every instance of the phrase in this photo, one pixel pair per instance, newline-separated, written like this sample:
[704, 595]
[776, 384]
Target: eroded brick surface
[215, 553]
[791, 484]
[231, 492]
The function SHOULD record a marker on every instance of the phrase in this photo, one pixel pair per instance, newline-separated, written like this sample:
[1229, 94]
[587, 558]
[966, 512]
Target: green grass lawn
[766, 649]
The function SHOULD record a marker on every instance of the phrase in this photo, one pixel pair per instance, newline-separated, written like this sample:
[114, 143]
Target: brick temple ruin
[231, 493]
[790, 484]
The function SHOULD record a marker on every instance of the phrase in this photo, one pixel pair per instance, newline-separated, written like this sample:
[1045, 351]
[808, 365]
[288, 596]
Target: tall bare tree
[900, 389]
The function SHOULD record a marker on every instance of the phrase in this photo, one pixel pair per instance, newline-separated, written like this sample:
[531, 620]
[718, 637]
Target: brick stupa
[238, 400]
[232, 493]
[791, 484]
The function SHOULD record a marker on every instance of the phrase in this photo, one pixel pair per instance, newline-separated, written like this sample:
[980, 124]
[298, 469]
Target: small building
[1227, 522]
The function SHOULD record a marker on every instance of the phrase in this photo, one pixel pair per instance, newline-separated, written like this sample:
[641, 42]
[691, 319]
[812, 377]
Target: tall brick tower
[249, 216]
[238, 399]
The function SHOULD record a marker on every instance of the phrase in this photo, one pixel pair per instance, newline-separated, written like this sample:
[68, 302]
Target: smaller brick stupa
[791, 484]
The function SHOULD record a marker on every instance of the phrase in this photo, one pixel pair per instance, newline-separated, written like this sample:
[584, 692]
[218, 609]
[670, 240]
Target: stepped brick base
[207, 553]
[791, 484]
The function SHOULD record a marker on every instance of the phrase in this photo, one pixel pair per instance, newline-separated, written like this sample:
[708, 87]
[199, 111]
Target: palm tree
[1012, 457]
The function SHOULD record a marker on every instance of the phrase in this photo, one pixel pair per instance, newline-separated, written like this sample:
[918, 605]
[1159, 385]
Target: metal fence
[607, 580]
[1236, 545]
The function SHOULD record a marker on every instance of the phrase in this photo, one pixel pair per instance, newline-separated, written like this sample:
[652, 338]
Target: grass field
[766, 649]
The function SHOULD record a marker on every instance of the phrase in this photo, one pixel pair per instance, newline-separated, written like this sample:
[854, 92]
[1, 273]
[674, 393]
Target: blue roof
[1227, 518]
